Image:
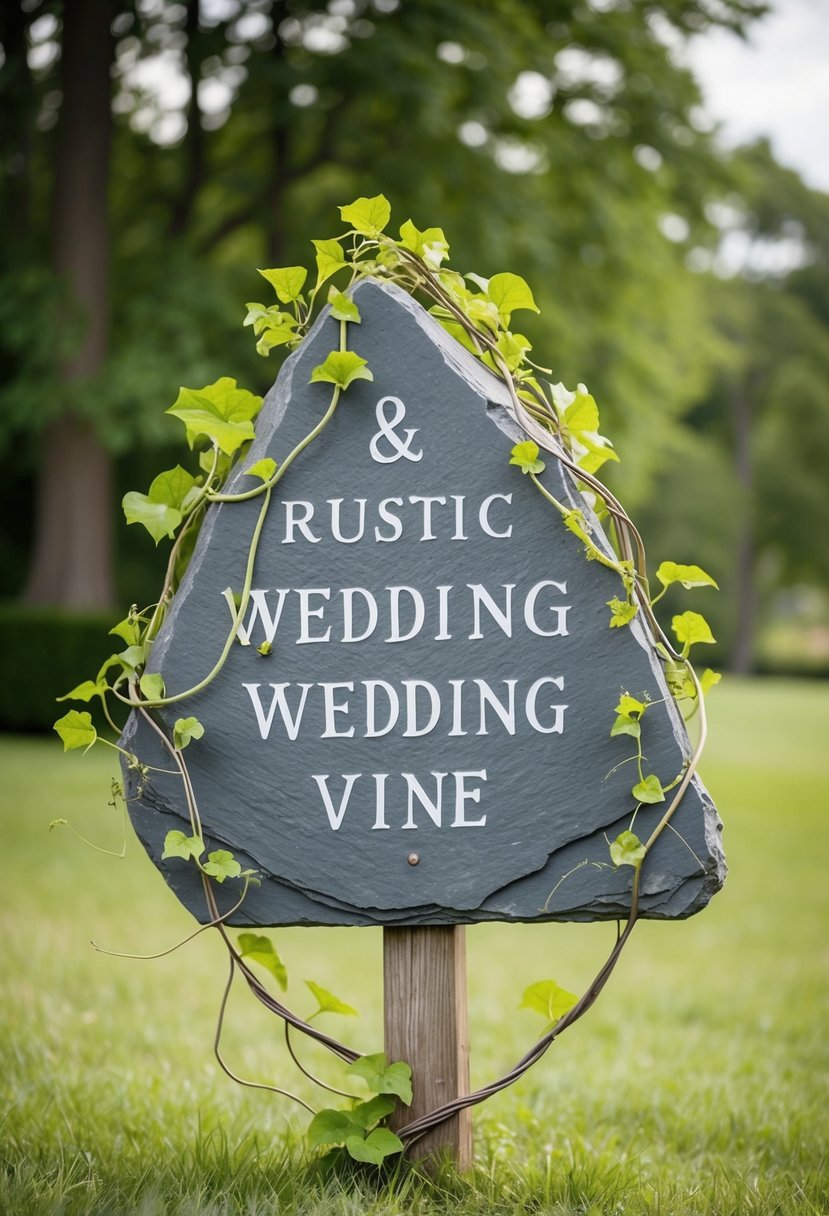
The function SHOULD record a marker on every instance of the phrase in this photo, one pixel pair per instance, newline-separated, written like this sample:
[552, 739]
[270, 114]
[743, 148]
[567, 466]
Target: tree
[764, 424]
[549, 139]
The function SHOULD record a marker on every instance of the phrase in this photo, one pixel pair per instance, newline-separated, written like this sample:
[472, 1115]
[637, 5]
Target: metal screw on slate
[413, 859]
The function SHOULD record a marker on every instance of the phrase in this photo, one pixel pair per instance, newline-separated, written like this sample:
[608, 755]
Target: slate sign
[428, 740]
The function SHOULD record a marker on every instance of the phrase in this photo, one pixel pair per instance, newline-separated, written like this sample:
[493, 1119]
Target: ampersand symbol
[399, 446]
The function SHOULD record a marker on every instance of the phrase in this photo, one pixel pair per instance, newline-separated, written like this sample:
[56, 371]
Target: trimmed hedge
[44, 653]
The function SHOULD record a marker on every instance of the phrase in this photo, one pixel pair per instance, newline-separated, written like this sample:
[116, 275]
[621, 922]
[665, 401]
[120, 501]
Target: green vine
[219, 421]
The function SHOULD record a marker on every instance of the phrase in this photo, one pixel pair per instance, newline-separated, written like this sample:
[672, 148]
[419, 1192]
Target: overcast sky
[776, 84]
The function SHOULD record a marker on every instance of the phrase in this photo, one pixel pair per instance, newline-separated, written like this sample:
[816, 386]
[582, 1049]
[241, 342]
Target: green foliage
[525, 456]
[629, 713]
[287, 282]
[152, 687]
[220, 412]
[328, 1003]
[649, 790]
[376, 1147]
[263, 469]
[260, 949]
[382, 1077]
[367, 215]
[221, 864]
[691, 628]
[341, 368]
[161, 509]
[579, 419]
[330, 259]
[549, 999]
[622, 612]
[509, 293]
[45, 651]
[177, 844]
[687, 576]
[76, 730]
[185, 730]
[709, 679]
[343, 307]
[431, 245]
[627, 850]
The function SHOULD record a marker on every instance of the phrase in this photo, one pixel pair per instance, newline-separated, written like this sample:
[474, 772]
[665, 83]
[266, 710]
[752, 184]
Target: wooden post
[424, 975]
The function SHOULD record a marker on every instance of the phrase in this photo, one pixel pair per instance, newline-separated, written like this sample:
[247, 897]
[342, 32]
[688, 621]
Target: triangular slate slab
[529, 794]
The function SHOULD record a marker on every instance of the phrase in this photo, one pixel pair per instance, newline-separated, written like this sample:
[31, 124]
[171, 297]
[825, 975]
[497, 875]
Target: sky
[776, 84]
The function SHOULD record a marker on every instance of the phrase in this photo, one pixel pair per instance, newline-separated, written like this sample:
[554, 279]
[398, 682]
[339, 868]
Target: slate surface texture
[499, 802]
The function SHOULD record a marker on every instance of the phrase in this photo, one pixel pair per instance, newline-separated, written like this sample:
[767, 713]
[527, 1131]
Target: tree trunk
[72, 563]
[742, 652]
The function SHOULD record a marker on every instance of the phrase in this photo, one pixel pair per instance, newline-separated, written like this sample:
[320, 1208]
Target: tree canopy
[561, 140]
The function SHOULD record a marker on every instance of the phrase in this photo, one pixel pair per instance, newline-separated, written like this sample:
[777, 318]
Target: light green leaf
[430, 244]
[160, 510]
[273, 336]
[84, 692]
[221, 865]
[220, 412]
[265, 648]
[622, 612]
[176, 844]
[186, 729]
[594, 456]
[128, 630]
[76, 730]
[649, 790]
[676, 677]
[259, 949]
[287, 281]
[688, 576]
[627, 850]
[376, 1146]
[263, 469]
[330, 1127]
[691, 628]
[708, 679]
[367, 215]
[158, 518]
[328, 1003]
[525, 456]
[341, 368]
[330, 259]
[383, 1078]
[509, 292]
[630, 705]
[173, 486]
[343, 307]
[131, 659]
[575, 522]
[582, 414]
[513, 348]
[549, 999]
[625, 725]
[366, 1114]
[152, 686]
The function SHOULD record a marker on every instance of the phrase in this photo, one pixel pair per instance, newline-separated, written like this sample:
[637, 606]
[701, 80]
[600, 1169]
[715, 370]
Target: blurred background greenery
[153, 154]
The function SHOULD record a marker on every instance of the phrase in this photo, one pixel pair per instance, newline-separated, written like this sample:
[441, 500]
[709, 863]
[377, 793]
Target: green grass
[697, 1085]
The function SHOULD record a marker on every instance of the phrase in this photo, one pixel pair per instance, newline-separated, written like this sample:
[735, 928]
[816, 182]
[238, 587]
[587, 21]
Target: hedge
[46, 652]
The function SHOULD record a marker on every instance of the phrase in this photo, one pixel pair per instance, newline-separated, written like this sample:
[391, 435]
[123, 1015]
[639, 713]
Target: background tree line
[153, 154]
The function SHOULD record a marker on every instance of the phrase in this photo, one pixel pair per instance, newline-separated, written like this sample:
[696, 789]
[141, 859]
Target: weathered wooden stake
[424, 974]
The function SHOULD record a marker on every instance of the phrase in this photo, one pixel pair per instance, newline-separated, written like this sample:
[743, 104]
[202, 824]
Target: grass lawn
[698, 1084]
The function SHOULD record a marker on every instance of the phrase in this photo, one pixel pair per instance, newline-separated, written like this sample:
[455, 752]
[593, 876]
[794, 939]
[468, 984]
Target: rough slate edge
[663, 895]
